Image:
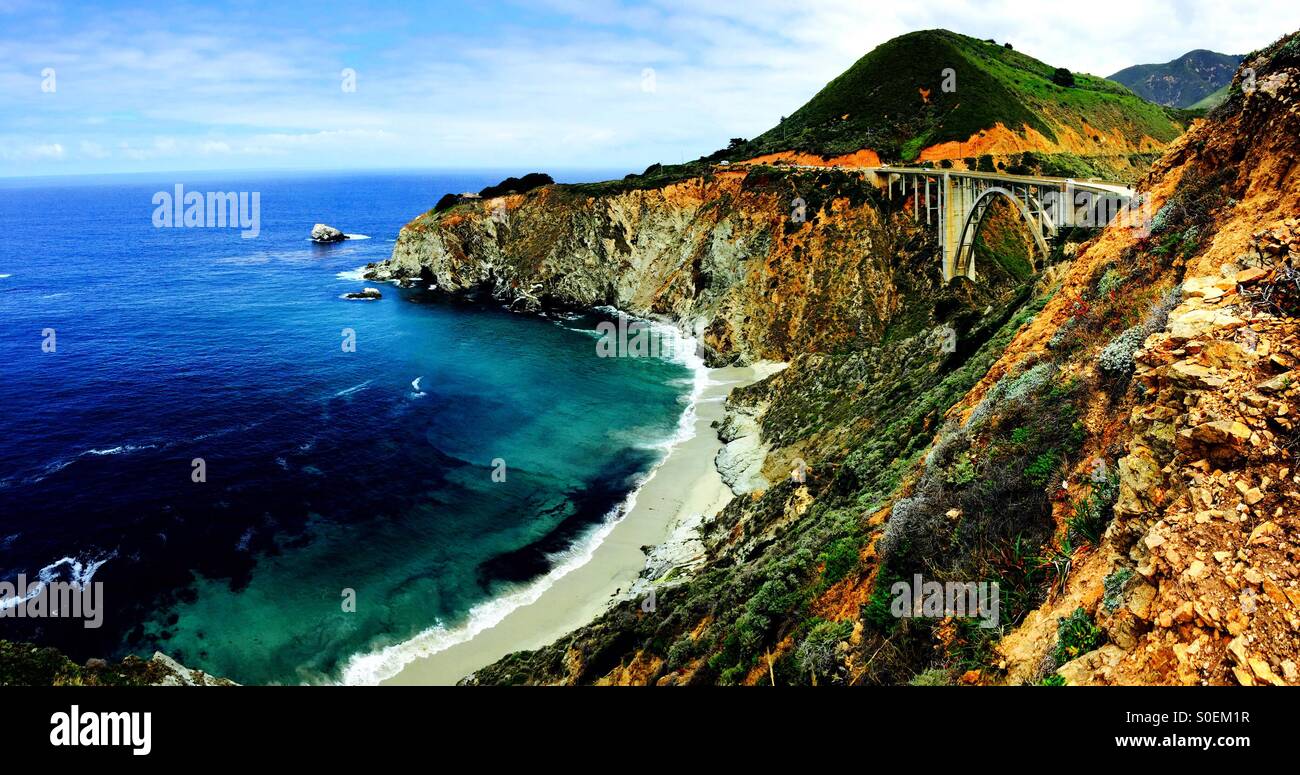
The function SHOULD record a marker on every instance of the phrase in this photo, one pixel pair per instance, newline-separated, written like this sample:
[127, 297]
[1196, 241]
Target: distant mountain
[1185, 81]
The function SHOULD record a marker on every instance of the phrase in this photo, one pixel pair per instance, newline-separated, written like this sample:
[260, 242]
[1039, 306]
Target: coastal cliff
[720, 255]
[1107, 436]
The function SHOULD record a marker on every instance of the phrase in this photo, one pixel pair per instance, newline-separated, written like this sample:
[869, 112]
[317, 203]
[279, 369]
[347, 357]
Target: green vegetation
[839, 557]
[1212, 100]
[655, 176]
[1116, 584]
[816, 654]
[1093, 513]
[935, 676]
[22, 664]
[879, 103]
[1075, 635]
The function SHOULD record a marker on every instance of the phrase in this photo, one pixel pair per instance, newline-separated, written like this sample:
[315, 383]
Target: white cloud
[220, 89]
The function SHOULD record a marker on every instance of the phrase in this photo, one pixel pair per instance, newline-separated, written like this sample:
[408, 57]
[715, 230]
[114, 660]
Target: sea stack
[322, 233]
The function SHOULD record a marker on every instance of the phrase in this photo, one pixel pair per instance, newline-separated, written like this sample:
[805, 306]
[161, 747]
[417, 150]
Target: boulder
[322, 233]
[367, 294]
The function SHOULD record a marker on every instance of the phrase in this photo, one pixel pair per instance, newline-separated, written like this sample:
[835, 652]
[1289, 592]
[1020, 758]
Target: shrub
[1041, 468]
[839, 558]
[682, 652]
[962, 471]
[1116, 358]
[816, 654]
[517, 185]
[1075, 635]
[1063, 77]
[935, 676]
[447, 202]
[1110, 282]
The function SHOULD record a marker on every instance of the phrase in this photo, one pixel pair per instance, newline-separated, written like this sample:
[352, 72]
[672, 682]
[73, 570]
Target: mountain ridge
[1182, 82]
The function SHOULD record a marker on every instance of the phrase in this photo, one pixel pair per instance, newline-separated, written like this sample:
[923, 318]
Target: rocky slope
[23, 664]
[1108, 438]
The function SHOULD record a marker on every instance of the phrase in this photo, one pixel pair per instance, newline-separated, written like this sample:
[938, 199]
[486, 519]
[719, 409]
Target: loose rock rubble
[1209, 503]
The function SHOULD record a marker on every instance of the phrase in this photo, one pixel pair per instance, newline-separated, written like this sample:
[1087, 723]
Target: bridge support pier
[961, 199]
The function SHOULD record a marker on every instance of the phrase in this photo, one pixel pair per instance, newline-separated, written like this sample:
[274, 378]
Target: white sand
[684, 486]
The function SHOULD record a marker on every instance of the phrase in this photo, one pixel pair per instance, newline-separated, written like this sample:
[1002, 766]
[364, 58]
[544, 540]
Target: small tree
[1063, 77]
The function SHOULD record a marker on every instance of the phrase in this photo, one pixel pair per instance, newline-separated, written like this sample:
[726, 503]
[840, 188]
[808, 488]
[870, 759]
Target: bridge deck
[1024, 180]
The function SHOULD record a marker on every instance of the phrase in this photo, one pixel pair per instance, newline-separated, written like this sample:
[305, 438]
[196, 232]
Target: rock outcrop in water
[322, 233]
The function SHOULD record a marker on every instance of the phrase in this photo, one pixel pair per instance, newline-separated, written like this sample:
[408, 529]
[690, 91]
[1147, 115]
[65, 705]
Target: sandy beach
[684, 488]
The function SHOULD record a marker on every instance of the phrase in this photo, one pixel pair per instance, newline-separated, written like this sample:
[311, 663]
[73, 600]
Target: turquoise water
[331, 475]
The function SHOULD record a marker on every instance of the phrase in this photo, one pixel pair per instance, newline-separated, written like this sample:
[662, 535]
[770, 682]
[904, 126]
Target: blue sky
[545, 84]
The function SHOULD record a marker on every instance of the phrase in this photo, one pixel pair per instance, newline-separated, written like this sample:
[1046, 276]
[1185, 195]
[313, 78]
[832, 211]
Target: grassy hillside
[1212, 100]
[879, 103]
[1184, 82]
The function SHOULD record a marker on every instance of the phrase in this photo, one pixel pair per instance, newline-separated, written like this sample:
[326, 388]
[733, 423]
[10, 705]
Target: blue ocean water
[329, 474]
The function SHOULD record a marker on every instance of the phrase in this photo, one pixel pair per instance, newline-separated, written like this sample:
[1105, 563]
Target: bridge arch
[965, 258]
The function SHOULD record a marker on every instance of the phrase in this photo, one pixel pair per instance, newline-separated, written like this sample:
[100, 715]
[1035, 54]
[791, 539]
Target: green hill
[1212, 100]
[878, 103]
[1185, 82]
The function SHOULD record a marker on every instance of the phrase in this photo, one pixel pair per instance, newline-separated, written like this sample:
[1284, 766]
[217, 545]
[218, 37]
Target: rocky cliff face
[1110, 440]
[764, 264]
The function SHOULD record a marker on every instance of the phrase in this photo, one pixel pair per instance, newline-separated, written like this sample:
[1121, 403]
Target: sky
[98, 87]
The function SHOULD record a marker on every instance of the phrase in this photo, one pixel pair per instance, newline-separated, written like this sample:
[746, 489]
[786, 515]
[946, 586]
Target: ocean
[347, 499]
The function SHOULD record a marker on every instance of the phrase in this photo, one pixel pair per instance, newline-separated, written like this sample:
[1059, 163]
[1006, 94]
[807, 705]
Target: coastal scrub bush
[962, 471]
[1116, 358]
[1110, 282]
[935, 676]
[1158, 316]
[682, 653]
[1010, 389]
[517, 185]
[816, 654]
[1076, 634]
[839, 558]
